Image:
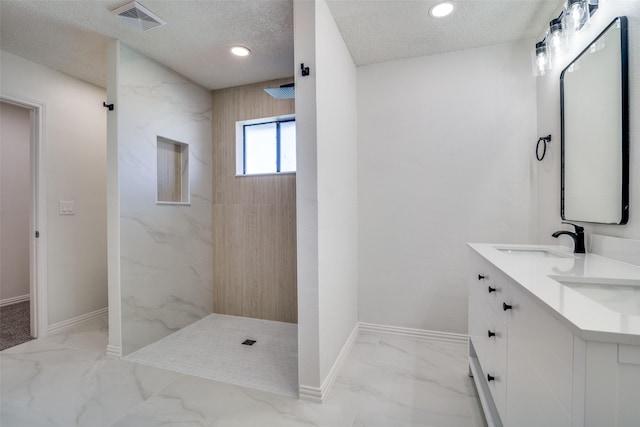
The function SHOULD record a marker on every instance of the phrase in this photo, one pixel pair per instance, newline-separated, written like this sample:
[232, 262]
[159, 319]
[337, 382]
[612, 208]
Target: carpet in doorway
[14, 325]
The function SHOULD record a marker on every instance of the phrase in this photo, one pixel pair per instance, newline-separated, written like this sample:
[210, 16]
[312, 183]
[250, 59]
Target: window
[266, 146]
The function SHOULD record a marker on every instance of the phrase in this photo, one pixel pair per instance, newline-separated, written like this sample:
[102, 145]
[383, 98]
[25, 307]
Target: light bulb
[542, 63]
[557, 39]
[578, 14]
[555, 29]
[541, 60]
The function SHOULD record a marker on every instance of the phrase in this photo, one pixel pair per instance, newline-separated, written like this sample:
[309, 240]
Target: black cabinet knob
[481, 277]
[506, 306]
[490, 377]
[491, 289]
[491, 334]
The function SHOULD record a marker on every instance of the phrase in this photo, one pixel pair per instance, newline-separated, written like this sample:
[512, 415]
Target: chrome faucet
[578, 237]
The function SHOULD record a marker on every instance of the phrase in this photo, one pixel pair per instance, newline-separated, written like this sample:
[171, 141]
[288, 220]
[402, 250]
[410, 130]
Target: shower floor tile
[212, 348]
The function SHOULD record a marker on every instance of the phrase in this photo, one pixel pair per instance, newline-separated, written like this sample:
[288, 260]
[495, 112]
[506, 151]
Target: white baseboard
[318, 394]
[114, 352]
[309, 393]
[15, 300]
[415, 333]
[70, 323]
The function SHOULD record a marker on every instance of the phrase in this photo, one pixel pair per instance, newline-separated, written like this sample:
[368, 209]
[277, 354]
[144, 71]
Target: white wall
[165, 250]
[306, 197]
[445, 151]
[326, 194]
[337, 188]
[114, 346]
[15, 203]
[75, 141]
[548, 103]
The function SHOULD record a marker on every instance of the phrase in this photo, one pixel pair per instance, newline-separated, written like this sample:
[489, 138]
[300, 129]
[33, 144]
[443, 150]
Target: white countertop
[589, 319]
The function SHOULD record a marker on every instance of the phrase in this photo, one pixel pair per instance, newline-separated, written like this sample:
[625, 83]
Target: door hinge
[37, 234]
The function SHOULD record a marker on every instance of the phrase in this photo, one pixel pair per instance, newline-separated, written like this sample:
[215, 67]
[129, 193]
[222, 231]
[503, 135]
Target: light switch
[67, 207]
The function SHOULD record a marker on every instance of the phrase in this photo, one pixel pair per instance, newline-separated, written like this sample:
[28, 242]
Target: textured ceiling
[378, 31]
[71, 36]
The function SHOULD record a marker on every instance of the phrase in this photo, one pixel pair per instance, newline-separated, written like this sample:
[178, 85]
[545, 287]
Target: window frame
[241, 143]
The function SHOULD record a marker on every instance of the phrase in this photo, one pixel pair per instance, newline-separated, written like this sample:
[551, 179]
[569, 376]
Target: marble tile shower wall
[166, 250]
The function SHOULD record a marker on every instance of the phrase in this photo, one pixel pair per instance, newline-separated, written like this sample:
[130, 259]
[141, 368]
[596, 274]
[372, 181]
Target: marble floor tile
[387, 380]
[114, 387]
[77, 387]
[45, 379]
[400, 381]
[199, 402]
[13, 416]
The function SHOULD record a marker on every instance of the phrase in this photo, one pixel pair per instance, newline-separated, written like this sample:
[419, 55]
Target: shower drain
[248, 342]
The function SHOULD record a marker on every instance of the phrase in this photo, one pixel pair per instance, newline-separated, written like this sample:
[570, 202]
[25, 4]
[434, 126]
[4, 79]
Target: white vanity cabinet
[532, 367]
[540, 364]
[529, 359]
[610, 384]
[488, 331]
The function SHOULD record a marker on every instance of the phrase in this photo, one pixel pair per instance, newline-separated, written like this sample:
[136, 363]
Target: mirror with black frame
[595, 131]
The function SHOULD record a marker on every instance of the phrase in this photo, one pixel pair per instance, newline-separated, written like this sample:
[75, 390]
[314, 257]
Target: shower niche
[173, 172]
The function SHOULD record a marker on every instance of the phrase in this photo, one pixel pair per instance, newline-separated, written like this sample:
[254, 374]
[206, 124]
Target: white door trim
[38, 215]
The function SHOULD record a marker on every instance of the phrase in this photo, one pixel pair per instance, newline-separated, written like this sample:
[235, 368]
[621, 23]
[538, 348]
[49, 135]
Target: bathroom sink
[532, 252]
[619, 295]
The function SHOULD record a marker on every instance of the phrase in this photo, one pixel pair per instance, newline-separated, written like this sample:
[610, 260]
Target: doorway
[22, 300]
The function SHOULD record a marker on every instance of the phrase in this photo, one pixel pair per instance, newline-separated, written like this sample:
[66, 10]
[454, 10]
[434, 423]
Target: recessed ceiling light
[441, 9]
[240, 51]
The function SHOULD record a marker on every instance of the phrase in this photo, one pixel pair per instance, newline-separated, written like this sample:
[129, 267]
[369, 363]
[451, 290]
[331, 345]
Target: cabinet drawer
[488, 283]
[488, 333]
[490, 350]
[493, 359]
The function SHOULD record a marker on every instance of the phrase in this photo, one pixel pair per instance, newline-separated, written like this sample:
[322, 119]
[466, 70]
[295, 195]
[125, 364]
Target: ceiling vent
[287, 91]
[138, 16]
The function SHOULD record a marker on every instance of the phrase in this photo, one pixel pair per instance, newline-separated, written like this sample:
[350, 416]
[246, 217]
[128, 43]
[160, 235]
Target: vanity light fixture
[240, 51]
[441, 10]
[541, 60]
[575, 17]
[557, 38]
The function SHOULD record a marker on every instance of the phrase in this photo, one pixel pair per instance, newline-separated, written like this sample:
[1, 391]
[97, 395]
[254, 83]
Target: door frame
[37, 216]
